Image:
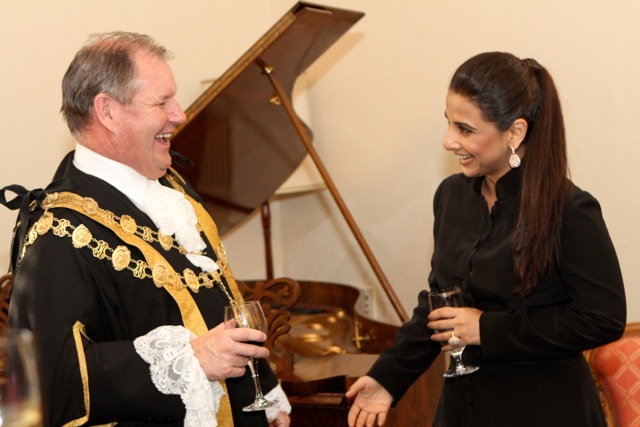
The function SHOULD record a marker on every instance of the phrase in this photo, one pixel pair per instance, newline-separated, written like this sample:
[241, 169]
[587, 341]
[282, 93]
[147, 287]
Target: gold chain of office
[120, 257]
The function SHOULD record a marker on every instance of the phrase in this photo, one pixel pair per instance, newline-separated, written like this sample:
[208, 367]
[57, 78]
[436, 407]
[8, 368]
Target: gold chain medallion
[121, 258]
[81, 236]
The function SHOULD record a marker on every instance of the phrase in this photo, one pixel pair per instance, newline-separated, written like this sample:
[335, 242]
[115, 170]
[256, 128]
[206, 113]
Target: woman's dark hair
[506, 88]
[104, 64]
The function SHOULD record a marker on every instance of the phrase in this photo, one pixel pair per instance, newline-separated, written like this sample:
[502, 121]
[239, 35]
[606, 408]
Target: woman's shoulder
[457, 180]
[455, 184]
[580, 203]
[576, 196]
[453, 189]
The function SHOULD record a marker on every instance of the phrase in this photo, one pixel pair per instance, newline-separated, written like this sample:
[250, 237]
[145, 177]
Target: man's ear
[102, 104]
[517, 132]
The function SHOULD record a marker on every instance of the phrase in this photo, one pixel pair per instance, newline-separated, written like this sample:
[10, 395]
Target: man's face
[143, 127]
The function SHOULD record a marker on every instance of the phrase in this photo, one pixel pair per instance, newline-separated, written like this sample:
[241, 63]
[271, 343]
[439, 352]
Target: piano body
[245, 140]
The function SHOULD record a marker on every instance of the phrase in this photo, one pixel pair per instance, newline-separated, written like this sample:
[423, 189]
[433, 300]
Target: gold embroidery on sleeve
[78, 332]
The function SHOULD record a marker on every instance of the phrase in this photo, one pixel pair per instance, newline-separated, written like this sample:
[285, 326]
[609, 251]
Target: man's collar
[124, 178]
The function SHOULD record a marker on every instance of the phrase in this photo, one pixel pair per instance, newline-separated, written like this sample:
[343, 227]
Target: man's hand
[225, 352]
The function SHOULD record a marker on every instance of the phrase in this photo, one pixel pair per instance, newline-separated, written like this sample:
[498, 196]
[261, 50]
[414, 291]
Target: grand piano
[245, 139]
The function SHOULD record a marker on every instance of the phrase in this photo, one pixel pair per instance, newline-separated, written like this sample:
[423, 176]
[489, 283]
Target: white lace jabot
[173, 215]
[166, 207]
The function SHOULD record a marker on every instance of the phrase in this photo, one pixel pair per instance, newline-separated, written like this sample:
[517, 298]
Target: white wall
[377, 101]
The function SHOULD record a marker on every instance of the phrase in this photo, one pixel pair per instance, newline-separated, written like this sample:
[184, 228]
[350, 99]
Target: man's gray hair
[105, 64]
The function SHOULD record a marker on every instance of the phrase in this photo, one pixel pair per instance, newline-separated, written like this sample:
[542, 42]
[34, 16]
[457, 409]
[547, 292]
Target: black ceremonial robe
[532, 371]
[85, 314]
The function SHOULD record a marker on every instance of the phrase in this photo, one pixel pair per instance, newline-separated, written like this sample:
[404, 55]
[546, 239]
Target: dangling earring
[514, 159]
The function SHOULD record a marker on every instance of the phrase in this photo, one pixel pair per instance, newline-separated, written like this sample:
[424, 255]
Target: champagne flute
[19, 383]
[249, 314]
[451, 298]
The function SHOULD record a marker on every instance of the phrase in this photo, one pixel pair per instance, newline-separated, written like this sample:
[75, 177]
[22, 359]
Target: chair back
[277, 296]
[616, 369]
[6, 283]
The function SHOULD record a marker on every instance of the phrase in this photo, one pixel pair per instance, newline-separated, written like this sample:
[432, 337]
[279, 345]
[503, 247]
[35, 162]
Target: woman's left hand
[461, 322]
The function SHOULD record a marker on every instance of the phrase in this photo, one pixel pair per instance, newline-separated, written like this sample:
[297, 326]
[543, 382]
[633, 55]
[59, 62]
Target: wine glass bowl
[451, 298]
[249, 314]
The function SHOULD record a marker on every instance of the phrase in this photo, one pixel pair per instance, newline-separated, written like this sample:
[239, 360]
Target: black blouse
[532, 372]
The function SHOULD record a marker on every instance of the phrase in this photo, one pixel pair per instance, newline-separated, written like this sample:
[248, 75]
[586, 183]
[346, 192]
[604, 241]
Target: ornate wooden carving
[277, 296]
[6, 283]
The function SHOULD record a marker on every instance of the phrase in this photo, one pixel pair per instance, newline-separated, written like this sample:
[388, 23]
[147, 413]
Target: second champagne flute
[451, 298]
[249, 314]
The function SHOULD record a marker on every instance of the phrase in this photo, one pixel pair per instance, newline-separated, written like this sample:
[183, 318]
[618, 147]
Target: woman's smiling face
[481, 149]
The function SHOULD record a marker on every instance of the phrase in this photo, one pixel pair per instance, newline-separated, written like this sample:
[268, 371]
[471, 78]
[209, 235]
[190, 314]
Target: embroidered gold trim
[194, 321]
[126, 223]
[78, 332]
[211, 231]
[120, 257]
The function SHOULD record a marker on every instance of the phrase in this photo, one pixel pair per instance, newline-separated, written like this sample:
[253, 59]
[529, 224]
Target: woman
[532, 255]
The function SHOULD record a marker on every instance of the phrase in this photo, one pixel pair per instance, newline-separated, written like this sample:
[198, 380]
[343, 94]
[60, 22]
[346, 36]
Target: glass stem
[254, 374]
[457, 359]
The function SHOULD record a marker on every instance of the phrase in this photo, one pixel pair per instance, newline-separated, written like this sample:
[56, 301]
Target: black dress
[532, 372]
[82, 310]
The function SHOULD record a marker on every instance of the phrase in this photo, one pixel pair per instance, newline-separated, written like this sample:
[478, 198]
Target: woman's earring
[514, 159]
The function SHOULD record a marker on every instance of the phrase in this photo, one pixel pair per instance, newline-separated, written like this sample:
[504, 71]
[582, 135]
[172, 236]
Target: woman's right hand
[372, 402]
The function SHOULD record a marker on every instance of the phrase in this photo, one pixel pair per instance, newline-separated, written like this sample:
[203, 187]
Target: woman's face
[481, 149]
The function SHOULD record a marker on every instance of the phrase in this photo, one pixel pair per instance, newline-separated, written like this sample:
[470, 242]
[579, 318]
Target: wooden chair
[616, 369]
[6, 282]
[277, 296]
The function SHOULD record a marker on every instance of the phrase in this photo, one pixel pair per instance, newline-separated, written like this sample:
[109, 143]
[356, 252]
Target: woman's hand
[281, 420]
[464, 322]
[372, 402]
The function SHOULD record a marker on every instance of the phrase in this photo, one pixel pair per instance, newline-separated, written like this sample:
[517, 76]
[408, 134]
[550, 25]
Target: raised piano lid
[242, 143]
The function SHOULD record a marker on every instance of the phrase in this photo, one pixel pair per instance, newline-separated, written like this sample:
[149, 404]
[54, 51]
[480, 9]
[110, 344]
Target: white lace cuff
[175, 370]
[283, 405]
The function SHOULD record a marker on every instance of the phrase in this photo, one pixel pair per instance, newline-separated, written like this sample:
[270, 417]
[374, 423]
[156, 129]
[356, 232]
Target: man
[118, 268]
